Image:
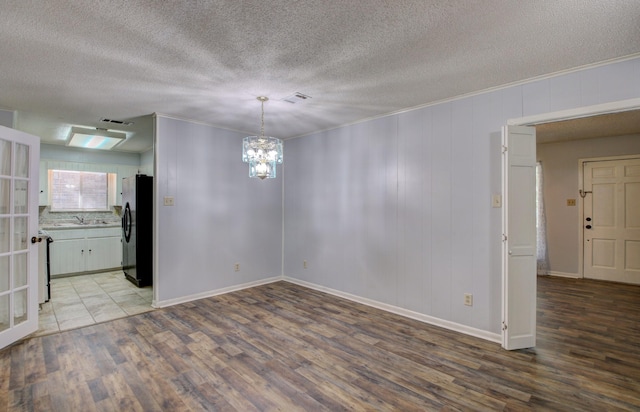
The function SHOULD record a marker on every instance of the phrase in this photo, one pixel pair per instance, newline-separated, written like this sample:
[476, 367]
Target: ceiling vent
[118, 122]
[297, 97]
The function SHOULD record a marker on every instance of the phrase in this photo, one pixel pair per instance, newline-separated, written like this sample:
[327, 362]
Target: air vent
[120, 122]
[297, 97]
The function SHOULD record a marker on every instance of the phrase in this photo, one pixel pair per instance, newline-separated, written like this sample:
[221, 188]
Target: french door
[19, 163]
[612, 220]
[519, 237]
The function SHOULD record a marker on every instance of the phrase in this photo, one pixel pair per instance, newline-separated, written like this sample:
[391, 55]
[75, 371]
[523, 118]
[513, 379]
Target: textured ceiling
[74, 62]
[605, 125]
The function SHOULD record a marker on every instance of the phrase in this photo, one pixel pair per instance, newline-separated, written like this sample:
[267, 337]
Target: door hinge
[504, 149]
[504, 326]
[504, 237]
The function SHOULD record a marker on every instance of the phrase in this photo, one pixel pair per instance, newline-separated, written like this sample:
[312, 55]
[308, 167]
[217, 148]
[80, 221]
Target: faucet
[80, 219]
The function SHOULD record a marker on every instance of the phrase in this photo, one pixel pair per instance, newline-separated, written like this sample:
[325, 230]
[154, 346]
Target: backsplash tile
[47, 217]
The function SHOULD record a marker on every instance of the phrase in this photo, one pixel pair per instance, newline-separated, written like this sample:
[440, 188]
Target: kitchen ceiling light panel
[94, 138]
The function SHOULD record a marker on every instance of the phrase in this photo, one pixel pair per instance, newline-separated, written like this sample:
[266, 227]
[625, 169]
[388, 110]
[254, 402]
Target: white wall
[79, 155]
[146, 162]
[6, 118]
[398, 209]
[560, 167]
[220, 217]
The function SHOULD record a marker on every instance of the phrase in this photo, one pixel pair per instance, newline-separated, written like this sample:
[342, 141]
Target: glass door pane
[5, 196]
[22, 161]
[5, 157]
[4, 312]
[4, 273]
[21, 197]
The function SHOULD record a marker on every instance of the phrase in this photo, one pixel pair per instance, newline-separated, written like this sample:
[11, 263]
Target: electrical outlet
[168, 200]
[304, 264]
[571, 202]
[468, 299]
[236, 267]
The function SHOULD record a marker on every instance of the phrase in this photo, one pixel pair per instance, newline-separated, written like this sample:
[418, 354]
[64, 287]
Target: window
[79, 191]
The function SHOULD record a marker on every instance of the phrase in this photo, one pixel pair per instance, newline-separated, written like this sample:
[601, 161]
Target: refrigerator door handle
[127, 223]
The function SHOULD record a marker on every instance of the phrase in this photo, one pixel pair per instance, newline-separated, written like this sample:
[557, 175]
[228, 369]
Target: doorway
[91, 298]
[542, 121]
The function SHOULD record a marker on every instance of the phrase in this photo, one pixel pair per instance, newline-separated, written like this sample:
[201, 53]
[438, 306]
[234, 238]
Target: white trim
[580, 273]
[156, 221]
[201, 123]
[456, 327]
[609, 158]
[565, 275]
[441, 101]
[215, 292]
[580, 112]
[483, 91]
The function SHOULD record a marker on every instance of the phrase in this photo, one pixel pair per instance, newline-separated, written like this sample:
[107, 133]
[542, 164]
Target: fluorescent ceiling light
[94, 138]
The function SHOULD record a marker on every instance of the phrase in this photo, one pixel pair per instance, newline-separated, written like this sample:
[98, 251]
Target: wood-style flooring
[284, 347]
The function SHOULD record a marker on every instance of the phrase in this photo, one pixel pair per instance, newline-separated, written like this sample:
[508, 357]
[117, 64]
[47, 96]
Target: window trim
[110, 195]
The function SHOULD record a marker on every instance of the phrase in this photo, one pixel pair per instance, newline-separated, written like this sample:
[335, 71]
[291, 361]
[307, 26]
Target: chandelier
[262, 152]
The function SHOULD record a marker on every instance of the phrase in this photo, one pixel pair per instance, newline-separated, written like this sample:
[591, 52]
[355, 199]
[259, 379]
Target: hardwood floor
[284, 347]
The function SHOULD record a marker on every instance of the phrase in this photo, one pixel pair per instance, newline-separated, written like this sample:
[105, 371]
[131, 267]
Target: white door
[19, 160]
[612, 220]
[519, 229]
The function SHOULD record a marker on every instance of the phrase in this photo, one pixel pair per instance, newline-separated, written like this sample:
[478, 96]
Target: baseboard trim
[456, 327]
[565, 275]
[210, 293]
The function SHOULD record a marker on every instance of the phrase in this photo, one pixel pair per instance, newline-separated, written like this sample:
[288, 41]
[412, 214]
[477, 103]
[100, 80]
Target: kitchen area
[81, 258]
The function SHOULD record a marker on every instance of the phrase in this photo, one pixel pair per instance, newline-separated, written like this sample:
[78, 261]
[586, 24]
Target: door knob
[588, 219]
[588, 226]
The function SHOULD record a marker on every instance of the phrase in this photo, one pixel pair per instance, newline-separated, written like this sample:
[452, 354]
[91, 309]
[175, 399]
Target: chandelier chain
[262, 126]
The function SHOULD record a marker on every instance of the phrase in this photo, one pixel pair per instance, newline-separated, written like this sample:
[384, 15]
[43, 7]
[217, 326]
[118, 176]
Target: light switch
[168, 200]
[496, 201]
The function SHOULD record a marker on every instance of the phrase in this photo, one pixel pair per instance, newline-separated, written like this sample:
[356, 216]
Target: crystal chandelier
[262, 152]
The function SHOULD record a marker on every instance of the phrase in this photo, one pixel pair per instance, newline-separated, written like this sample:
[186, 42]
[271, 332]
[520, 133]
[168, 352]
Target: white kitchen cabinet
[123, 171]
[104, 253]
[85, 250]
[67, 256]
[43, 198]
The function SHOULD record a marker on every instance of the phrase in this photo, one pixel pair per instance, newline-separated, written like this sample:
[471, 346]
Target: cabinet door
[67, 256]
[103, 253]
[123, 171]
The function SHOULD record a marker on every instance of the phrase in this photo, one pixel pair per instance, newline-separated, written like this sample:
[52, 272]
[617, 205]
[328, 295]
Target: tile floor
[88, 299]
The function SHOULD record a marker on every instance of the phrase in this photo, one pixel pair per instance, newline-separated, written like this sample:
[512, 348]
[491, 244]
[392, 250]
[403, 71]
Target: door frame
[581, 163]
[585, 111]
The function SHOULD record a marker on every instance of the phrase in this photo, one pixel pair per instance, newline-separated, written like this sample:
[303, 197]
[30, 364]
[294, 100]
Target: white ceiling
[605, 125]
[64, 62]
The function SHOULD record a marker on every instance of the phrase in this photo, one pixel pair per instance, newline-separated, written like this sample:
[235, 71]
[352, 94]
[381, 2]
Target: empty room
[328, 205]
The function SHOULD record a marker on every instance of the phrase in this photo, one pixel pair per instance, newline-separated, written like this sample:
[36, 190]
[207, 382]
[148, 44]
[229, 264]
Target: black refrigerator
[137, 229]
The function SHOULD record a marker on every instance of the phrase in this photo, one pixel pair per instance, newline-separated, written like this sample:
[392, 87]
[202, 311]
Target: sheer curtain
[541, 224]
